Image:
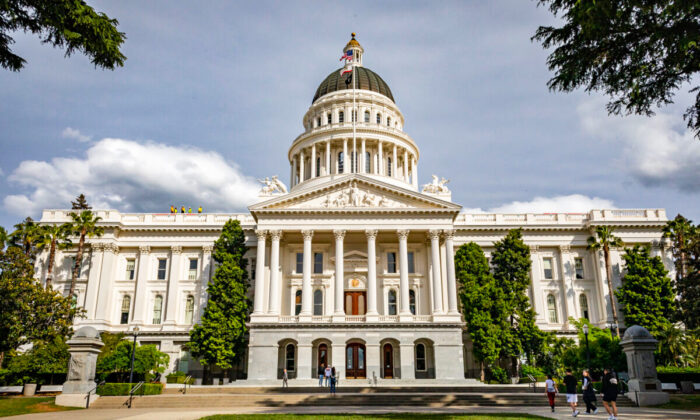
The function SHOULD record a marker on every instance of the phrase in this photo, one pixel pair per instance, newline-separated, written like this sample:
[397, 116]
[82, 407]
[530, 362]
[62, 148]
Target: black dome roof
[366, 79]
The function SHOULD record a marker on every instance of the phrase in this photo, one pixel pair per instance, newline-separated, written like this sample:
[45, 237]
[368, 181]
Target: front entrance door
[388, 361]
[355, 303]
[322, 356]
[355, 361]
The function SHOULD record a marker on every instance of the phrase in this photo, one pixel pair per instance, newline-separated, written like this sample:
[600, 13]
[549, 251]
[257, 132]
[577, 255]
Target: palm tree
[52, 237]
[605, 241]
[3, 238]
[24, 236]
[672, 344]
[84, 225]
[680, 230]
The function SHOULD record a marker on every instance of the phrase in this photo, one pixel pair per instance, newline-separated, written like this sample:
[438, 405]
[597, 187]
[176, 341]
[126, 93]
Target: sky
[213, 93]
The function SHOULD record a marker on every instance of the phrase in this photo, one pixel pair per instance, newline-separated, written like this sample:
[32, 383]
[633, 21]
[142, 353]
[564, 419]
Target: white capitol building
[353, 266]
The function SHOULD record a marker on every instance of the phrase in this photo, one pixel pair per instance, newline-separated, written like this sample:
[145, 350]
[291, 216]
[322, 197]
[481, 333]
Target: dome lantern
[357, 51]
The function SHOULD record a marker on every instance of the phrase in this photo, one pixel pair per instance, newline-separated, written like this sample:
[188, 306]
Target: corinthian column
[451, 280]
[403, 272]
[339, 272]
[140, 290]
[274, 304]
[259, 299]
[306, 276]
[434, 236]
[371, 272]
[173, 285]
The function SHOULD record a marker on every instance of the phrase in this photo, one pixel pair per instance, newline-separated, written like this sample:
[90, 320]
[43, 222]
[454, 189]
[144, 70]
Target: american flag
[347, 56]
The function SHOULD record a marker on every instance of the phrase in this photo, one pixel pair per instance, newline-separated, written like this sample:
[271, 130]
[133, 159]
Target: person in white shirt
[550, 390]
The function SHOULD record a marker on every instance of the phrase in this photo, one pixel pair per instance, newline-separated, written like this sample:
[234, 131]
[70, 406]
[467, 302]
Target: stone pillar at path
[644, 386]
[85, 345]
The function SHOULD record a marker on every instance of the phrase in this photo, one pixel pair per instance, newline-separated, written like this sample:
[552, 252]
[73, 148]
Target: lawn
[14, 406]
[683, 402]
[373, 416]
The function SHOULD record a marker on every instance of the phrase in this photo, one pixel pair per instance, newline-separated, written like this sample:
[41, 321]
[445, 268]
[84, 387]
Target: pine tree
[80, 203]
[646, 296]
[219, 339]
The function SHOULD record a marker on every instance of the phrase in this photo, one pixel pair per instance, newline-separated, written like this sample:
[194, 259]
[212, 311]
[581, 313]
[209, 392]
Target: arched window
[297, 302]
[366, 116]
[318, 166]
[379, 118]
[340, 163]
[368, 161]
[189, 309]
[392, 302]
[388, 121]
[583, 302]
[341, 117]
[552, 310]
[157, 309]
[318, 302]
[388, 166]
[420, 357]
[126, 305]
[289, 357]
[412, 301]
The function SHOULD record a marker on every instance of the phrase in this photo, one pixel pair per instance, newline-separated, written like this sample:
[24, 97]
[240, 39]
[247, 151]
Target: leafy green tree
[604, 240]
[29, 312]
[53, 237]
[45, 362]
[511, 270]
[483, 304]
[84, 225]
[24, 237]
[147, 360]
[69, 24]
[551, 359]
[673, 344]
[685, 240]
[4, 238]
[638, 52]
[681, 232]
[646, 295]
[219, 339]
[605, 350]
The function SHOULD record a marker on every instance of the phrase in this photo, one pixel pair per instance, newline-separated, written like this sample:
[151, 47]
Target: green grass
[14, 406]
[683, 402]
[406, 416]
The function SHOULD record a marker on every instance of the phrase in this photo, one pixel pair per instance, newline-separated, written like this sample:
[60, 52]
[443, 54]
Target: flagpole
[354, 117]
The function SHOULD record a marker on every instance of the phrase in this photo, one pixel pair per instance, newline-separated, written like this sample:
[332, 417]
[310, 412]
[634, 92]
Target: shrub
[124, 388]
[178, 378]
[531, 370]
[668, 374]
[500, 375]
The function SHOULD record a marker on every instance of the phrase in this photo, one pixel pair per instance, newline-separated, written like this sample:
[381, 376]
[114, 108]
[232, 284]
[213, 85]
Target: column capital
[207, 249]
[261, 233]
[339, 234]
[275, 235]
[402, 234]
[113, 248]
[448, 233]
[144, 249]
[371, 234]
[307, 234]
[534, 248]
[565, 249]
[97, 246]
[433, 234]
[176, 249]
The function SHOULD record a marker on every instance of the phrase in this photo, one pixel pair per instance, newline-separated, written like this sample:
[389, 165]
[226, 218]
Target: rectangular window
[411, 263]
[547, 264]
[162, 266]
[578, 262]
[192, 275]
[300, 262]
[329, 118]
[130, 269]
[318, 263]
[391, 262]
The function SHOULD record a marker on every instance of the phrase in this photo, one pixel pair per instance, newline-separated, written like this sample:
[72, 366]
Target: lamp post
[613, 327]
[135, 332]
[588, 353]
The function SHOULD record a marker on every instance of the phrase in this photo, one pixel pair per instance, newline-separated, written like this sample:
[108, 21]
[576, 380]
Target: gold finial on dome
[353, 42]
[353, 35]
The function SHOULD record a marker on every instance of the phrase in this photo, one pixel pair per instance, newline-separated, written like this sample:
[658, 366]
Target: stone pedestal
[84, 348]
[644, 386]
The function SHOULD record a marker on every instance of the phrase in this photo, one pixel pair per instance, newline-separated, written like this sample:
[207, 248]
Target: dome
[87, 332]
[366, 79]
[637, 332]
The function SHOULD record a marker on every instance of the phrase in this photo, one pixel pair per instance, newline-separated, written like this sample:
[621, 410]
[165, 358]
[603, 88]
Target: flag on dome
[346, 56]
[346, 70]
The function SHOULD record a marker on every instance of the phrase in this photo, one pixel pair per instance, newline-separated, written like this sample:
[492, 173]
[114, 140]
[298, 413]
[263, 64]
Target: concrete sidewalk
[190, 414]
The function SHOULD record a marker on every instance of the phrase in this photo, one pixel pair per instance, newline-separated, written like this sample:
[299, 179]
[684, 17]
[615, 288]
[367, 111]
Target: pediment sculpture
[353, 196]
[272, 186]
[436, 186]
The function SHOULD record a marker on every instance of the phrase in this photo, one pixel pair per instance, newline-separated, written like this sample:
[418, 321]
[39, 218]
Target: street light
[588, 353]
[135, 332]
[613, 327]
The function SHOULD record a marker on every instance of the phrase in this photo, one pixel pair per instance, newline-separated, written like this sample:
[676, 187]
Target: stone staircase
[226, 397]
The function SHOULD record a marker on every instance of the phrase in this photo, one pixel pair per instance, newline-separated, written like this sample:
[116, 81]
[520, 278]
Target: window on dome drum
[583, 303]
[318, 302]
[353, 163]
[126, 305]
[388, 121]
[392, 302]
[578, 263]
[329, 118]
[341, 117]
[412, 301]
[420, 357]
[411, 262]
[547, 265]
[162, 266]
[366, 116]
[368, 161]
[189, 309]
[300, 262]
[318, 166]
[354, 116]
[388, 166]
[289, 357]
[379, 118]
[318, 263]
[157, 309]
[391, 262]
[552, 310]
[192, 274]
[318, 122]
[130, 268]
[297, 302]
[340, 163]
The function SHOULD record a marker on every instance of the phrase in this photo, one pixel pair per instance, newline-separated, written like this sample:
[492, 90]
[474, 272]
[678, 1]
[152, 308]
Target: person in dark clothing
[333, 380]
[321, 369]
[589, 393]
[610, 393]
[571, 395]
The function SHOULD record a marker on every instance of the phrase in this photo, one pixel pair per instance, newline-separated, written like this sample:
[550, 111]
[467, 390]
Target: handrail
[87, 397]
[188, 379]
[133, 390]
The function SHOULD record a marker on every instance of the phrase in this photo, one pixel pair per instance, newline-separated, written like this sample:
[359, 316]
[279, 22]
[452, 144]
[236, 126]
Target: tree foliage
[685, 245]
[604, 240]
[69, 24]
[638, 52]
[45, 362]
[24, 237]
[84, 225]
[53, 238]
[117, 360]
[605, 350]
[219, 339]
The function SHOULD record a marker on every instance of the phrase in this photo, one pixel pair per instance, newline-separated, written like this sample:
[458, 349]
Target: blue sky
[213, 93]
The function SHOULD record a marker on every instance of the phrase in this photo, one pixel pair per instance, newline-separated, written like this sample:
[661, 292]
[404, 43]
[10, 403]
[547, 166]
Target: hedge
[178, 378]
[124, 388]
[672, 374]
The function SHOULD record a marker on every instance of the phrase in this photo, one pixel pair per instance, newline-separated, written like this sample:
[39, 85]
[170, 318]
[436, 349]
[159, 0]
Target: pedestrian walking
[610, 393]
[571, 396]
[320, 374]
[327, 374]
[550, 390]
[285, 378]
[333, 380]
[589, 393]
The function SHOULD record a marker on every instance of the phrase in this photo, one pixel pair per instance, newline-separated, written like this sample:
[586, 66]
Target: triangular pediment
[355, 193]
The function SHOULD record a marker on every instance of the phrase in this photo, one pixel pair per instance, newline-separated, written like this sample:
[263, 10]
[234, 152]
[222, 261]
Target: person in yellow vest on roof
[190, 210]
[173, 209]
[199, 210]
[182, 209]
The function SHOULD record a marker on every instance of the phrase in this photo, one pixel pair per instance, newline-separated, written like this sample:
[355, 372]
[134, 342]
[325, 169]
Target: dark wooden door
[322, 356]
[355, 361]
[355, 303]
[388, 361]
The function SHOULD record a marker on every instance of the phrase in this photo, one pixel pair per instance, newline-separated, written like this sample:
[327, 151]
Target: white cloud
[658, 150]
[574, 203]
[131, 176]
[75, 134]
